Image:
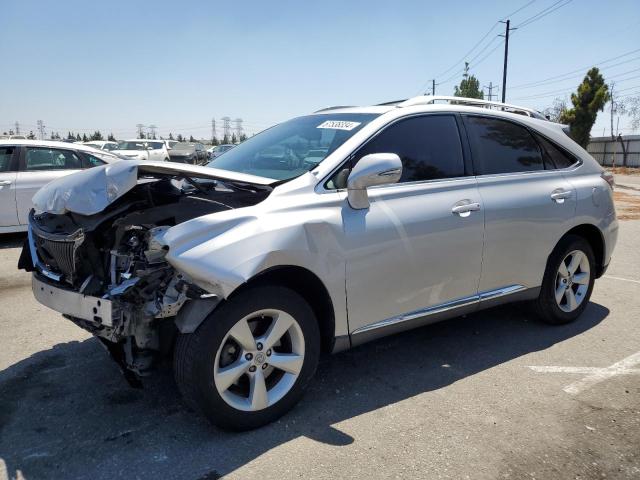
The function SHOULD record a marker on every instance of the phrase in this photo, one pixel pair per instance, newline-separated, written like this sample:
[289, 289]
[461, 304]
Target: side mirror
[373, 169]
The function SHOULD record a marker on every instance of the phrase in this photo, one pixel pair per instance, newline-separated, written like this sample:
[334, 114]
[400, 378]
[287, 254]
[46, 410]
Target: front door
[8, 167]
[419, 244]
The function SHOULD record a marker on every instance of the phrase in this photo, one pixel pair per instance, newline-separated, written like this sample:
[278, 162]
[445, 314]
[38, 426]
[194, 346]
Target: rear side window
[499, 146]
[51, 159]
[428, 146]
[6, 154]
[554, 157]
[91, 161]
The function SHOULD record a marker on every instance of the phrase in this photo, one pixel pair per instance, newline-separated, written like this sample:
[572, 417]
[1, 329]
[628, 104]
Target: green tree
[97, 135]
[170, 136]
[111, 138]
[243, 137]
[191, 139]
[469, 86]
[234, 139]
[31, 135]
[214, 141]
[225, 140]
[180, 138]
[84, 137]
[78, 137]
[591, 97]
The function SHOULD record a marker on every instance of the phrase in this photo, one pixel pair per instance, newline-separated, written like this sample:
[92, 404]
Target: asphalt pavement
[491, 395]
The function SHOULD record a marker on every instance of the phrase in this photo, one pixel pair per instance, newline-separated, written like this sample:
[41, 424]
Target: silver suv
[319, 234]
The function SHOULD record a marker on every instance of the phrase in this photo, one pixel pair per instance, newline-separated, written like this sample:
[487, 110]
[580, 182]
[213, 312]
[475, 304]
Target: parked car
[193, 153]
[140, 149]
[406, 213]
[102, 145]
[219, 150]
[12, 137]
[27, 165]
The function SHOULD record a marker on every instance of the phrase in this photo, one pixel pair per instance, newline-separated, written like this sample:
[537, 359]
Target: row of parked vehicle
[161, 150]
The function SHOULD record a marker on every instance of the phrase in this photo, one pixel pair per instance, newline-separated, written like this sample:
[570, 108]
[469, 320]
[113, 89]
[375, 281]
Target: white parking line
[622, 279]
[594, 375]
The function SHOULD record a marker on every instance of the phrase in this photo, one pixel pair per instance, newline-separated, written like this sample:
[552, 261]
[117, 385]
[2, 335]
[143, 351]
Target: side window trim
[533, 137]
[466, 156]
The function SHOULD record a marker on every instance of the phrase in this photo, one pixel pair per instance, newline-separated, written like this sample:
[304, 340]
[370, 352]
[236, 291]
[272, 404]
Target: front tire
[250, 360]
[568, 281]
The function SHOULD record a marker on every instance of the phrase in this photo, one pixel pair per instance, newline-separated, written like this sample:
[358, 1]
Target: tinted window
[428, 146]
[156, 145]
[6, 153]
[554, 157]
[499, 146]
[91, 161]
[51, 159]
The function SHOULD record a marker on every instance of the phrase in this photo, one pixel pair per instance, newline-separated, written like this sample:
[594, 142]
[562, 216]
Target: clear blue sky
[84, 65]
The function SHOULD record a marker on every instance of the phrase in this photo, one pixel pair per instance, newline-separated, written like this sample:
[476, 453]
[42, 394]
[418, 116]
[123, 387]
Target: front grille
[59, 256]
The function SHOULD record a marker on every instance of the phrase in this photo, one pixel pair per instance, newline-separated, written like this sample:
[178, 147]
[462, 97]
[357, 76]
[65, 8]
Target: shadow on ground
[12, 240]
[67, 413]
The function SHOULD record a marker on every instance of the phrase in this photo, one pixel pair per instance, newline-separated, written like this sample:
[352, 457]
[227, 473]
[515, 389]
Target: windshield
[172, 143]
[132, 146]
[292, 148]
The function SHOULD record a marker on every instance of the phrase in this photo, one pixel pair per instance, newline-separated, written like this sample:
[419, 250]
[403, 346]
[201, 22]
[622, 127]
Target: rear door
[8, 174]
[38, 166]
[527, 206]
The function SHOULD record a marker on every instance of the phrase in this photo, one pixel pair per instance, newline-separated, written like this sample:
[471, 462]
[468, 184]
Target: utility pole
[17, 125]
[226, 127]
[238, 122]
[433, 87]
[490, 88]
[41, 129]
[213, 129]
[506, 56]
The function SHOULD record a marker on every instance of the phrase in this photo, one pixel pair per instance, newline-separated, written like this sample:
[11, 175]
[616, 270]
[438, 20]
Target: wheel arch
[594, 236]
[309, 286]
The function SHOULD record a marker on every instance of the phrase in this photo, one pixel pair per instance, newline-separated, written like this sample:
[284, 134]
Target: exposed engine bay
[114, 258]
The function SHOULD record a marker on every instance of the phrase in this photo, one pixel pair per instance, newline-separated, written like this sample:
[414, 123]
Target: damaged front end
[107, 271]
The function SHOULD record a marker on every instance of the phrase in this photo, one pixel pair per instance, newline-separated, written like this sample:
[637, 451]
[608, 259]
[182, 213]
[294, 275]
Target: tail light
[608, 177]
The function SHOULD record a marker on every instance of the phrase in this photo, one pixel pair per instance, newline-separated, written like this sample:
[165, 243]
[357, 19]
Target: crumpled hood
[92, 190]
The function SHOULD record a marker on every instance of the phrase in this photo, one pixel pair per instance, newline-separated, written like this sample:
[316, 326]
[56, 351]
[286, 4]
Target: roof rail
[333, 108]
[475, 102]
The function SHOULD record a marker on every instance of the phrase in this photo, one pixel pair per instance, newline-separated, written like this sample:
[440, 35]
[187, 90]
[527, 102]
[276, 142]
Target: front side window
[39, 158]
[500, 146]
[156, 145]
[6, 154]
[292, 148]
[428, 146]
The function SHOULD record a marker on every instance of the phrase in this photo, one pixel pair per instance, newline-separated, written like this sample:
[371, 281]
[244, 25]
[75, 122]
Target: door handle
[5, 182]
[559, 195]
[465, 209]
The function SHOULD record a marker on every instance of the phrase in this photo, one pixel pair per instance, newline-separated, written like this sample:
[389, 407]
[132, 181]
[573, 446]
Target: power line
[538, 82]
[518, 10]
[543, 13]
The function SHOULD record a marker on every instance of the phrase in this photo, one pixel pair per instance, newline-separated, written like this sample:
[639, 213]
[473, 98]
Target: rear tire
[568, 281]
[242, 378]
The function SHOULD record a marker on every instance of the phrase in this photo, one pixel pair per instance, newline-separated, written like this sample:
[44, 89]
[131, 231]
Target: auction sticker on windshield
[338, 125]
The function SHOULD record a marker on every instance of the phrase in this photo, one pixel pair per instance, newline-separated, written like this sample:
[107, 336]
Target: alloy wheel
[572, 281]
[259, 360]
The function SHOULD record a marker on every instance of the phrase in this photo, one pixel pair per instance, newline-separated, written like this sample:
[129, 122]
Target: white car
[102, 145]
[27, 165]
[141, 149]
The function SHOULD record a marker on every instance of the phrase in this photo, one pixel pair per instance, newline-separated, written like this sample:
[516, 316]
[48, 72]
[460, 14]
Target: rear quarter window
[555, 157]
